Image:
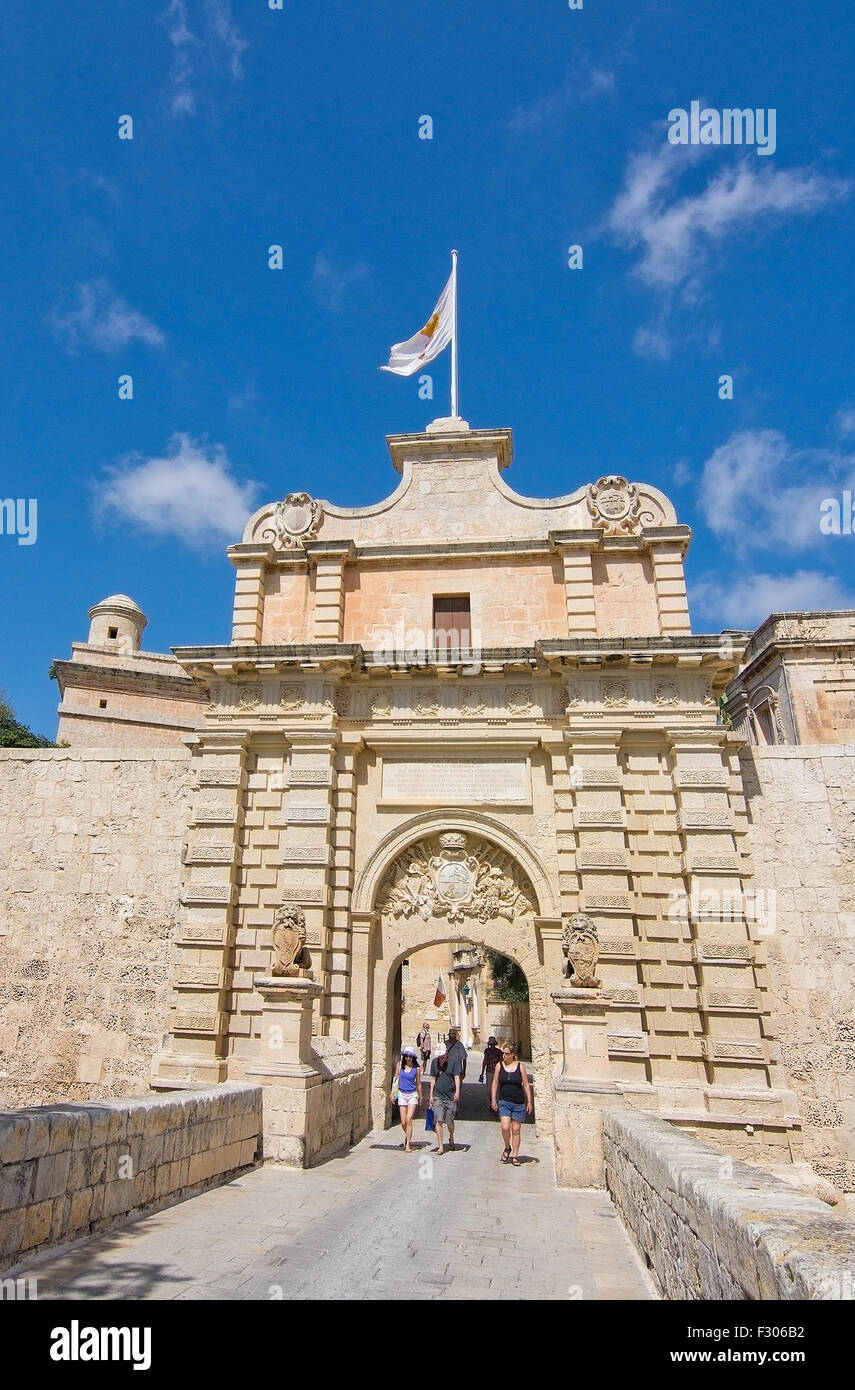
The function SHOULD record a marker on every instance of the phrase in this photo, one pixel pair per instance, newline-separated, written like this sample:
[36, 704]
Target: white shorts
[406, 1101]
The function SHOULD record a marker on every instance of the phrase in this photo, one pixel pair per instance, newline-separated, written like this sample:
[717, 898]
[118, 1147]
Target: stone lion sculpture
[581, 947]
[290, 956]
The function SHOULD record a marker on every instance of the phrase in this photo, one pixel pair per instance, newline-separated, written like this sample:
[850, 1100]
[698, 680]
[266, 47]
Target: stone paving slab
[372, 1224]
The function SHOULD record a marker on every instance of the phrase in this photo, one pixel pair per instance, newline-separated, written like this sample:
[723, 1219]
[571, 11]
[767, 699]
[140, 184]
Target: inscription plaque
[457, 780]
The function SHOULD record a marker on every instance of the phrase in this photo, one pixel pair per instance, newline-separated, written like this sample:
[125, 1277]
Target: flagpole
[455, 412]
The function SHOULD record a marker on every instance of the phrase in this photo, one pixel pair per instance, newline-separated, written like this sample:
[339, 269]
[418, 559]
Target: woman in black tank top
[512, 1100]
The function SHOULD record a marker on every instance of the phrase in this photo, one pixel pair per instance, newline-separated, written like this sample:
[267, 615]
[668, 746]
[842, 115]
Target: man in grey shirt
[445, 1079]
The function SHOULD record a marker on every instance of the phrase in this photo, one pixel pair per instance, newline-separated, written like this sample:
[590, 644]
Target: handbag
[429, 1120]
[395, 1091]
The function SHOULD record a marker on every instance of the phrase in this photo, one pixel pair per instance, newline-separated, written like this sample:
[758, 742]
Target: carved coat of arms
[295, 520]
[456, 882]
[614, 506]
[290, 957]
[581, 947]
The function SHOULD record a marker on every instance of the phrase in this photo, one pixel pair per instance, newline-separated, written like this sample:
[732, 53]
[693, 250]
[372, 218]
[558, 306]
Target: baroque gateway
[470, 718]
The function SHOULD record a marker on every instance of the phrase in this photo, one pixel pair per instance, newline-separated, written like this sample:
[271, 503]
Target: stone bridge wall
[711, 1227]
[69, 1171]
[90, 865]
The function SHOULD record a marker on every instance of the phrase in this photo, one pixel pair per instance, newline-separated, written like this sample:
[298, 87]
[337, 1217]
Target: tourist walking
[456, 1052]
[492, 1056]
[406, 1089]
[425, 1045]
[445, 1078]
[511, 1098]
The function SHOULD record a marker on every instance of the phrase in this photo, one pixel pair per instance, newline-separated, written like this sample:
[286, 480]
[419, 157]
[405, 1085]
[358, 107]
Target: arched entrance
[445, 882]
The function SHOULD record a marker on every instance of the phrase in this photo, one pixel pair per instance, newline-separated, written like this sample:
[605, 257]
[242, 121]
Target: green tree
[13, 734]
[509, 982]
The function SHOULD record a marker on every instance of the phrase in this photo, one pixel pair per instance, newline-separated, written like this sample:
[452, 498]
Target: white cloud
[215, 46]
[97, 316]
[584, 82]
[189, 493]
[747, 600]
[331, 282]
[653, 343]
[674, 235]
[757, 489]
[844, 420]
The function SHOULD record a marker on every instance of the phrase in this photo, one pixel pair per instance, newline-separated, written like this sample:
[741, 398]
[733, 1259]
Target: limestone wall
[90, 863]
[71, 1170]
[711, 1227]
[801, 807]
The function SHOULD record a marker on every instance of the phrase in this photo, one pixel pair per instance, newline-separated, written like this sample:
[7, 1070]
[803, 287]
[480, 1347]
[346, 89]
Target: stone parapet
[710, 1227]
[69, 1171]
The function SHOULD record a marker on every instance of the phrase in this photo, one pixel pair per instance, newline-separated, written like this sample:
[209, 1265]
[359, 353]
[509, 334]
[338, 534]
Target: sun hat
[408, 1051]
[441, 1050]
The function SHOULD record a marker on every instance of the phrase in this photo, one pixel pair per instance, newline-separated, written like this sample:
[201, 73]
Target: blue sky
[300, 127]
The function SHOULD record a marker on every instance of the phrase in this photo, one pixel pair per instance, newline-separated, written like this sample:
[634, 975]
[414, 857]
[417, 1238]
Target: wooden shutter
[452, 623]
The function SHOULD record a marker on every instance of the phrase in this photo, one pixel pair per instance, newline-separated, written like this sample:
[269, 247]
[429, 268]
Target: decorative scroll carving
[701, 777]
[472, 702]
[381, 703]
[581, 948]
[666, 693]
[615, 693]
[519, 699]
[455, 879]
[249, 697]
[426, 703]
[295, 520]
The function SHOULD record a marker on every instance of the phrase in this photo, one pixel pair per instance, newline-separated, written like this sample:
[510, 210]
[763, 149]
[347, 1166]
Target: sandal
[516, 1163]
[506, 1155]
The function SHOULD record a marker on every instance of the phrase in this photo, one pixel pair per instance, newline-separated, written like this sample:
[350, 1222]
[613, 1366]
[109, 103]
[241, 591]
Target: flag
[406, 358]
[439, 997]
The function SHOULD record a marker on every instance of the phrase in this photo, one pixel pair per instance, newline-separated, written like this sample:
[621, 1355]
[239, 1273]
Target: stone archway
[443, 887]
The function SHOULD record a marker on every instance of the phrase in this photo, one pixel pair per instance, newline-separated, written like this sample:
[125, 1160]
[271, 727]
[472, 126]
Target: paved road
[373, 1224]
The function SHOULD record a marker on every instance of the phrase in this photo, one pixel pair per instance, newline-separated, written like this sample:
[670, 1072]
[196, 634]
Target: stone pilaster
[666, 554]
[604, 864]
[555, 748]
[340, 1001]
[737, 1050]
[576, 551]
[330, 558]
[306, 857]
[196, 1052]
[250, 563]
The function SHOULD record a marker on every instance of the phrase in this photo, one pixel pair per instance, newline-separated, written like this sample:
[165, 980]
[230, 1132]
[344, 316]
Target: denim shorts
[511, 1110]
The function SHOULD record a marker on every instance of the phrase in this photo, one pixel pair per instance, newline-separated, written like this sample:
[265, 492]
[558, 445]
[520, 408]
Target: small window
[452, 623]
[405, 972]
[112, 633]
[102, 704]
